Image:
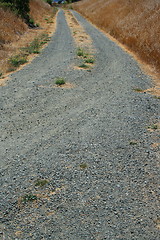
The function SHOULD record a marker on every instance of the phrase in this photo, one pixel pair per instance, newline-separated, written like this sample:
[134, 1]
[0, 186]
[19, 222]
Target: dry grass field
[135, 24]
[15, 34]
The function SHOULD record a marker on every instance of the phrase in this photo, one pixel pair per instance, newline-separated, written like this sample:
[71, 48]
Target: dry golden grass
[15, 34]
[40, 11]
[136, 24]
[11, 27]
[82, 39]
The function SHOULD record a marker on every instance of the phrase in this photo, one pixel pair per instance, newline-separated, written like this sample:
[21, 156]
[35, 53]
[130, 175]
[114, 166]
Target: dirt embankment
[15, 34]
[135, 24]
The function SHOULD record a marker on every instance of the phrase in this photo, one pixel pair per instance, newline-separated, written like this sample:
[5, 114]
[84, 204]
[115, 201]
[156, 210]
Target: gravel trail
[90, 144]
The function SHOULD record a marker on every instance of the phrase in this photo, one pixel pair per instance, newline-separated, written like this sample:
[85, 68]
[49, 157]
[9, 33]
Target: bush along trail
[79, 149]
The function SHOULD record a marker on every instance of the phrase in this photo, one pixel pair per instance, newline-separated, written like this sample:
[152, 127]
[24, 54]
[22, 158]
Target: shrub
[154, 127]
[17, 60]
[83, 66]
[41, 182]
[80, 52]
[83, 165]
[89, 60]
[60, 81]
[34, 46]
[29, 198]
[31, 21]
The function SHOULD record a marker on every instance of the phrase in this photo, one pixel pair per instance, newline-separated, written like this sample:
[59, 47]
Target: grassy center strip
[85, 50]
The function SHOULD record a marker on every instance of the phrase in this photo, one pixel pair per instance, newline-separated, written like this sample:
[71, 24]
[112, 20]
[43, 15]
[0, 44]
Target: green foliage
[21, 7]
[5, 4]
[29, 198]
[41, 182]
[89, 60]
[31, 21]
[80, 52]
[138, 90]
[153, 127]
[60, 81]
[17, 60]
[83, 66]
[83, 166]
[133, 142]
[35, 45]
[156, 97]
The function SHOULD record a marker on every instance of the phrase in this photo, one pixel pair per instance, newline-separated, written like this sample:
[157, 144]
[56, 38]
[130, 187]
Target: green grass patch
[156, 97]
[41, 182]
[11, 69]
[154, 127]
[83, 165]
[17, 60]
[60, 81]
[35, 45]
[29, 198]
[133, 143]
[83, 66]
[31, 21]
[80, 52]
[137, 89]
[89, 60]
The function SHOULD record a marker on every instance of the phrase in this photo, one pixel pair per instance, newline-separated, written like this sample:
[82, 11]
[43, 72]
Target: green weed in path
[83, 166]
[153, 127]
[90, 60]
[83, 66]
[137, 89]
[41, 182]
[80, 52]
[60, 81]
[133, 142]
[29, 198]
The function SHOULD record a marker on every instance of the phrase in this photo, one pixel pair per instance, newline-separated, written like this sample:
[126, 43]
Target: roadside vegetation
[85, 50]
[135, 24]
[24, 30]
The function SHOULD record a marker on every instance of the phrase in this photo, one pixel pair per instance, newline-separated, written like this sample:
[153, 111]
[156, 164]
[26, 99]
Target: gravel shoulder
[90, 143]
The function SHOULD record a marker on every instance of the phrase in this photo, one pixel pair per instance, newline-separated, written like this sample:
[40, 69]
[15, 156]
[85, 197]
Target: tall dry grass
[11, 27]
[39, 10]
[136, 24]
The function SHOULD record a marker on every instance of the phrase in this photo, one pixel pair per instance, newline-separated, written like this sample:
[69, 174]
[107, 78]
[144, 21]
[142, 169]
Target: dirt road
[79, 162]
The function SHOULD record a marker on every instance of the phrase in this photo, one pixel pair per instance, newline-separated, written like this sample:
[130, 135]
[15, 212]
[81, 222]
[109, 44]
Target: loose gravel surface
[78, 163]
